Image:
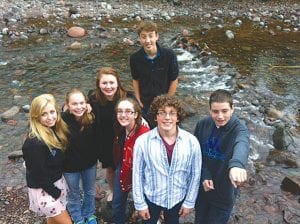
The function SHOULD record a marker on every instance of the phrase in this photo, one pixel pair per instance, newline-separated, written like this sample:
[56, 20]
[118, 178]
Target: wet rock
[238, 23]
[15, 155]
[11, 122]
[128, 41]
[270, 209]
[43, 31]
[26, 108]
[10, 113]
[229, 34]
[291, 184]
[5, 31]
[274, 113]
[284, 157]
[20, 100]
[73, 10]
[76, 31]
[75, 46]
[185, 33]
[282, 139]
[256, 19]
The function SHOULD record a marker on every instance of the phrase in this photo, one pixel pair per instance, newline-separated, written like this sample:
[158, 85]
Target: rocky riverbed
[22, 22]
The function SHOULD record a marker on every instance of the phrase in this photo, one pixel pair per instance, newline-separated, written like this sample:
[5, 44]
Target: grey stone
[10, 113]
[291, 184]
[229, 34]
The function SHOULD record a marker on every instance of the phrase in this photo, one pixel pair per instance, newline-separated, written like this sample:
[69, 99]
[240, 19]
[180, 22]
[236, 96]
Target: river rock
[284, 157]
[73, 10]
[15, 155]
[282, 139]
[229, 34]
[10, 113]
[21, 100]
[26, 108]
[274, 113]
[291, 184]
[75, 46]
[76, 31]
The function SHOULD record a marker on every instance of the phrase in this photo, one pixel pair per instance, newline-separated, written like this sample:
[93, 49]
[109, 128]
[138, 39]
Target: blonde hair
[87, 118]
[55, 137]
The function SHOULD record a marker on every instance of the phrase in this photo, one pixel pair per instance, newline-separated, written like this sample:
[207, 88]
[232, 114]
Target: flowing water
[47, 65]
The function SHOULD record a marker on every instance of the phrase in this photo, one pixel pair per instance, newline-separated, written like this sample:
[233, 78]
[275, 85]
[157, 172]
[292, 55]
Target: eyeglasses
[126, 112]
[164, 114]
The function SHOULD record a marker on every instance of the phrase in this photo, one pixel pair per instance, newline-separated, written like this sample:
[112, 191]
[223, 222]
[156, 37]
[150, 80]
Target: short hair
[147, 26]
[162, 101]
[221, 96]
[121, 92]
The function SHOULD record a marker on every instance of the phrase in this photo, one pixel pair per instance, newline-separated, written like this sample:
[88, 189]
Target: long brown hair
[137, 109]
[55, 137]
[121, 92]
[87, 118]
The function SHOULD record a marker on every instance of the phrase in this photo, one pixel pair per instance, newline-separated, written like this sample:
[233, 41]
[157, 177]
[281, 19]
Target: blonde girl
[43, 153]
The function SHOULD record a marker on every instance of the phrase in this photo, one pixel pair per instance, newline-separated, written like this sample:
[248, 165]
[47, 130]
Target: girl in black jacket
[43, 153]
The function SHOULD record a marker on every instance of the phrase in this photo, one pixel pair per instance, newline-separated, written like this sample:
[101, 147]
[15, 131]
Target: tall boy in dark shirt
[154, 69]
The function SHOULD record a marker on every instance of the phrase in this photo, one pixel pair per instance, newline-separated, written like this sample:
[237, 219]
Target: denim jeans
[206, 213]
[171, 215]
[78, 210]
[119, 200]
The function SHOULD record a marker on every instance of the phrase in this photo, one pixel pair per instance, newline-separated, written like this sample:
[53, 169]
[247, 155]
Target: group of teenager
[139, 141]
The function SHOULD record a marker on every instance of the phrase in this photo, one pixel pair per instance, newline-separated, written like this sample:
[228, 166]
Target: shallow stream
[45, 64]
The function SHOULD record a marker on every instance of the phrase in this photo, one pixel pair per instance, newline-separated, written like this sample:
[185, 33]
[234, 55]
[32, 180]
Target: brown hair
[147, 26]
[121, 92]
[221, 96]
[137, 109]
[87, 118]
[162, 101]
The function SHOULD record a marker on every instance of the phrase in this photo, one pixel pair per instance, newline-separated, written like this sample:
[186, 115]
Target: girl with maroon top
[128, 129]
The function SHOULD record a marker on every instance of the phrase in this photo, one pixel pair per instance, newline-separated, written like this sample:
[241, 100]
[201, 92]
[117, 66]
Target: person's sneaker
[92, 220]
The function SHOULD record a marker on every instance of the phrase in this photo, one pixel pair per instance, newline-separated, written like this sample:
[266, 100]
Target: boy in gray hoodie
[224, 142]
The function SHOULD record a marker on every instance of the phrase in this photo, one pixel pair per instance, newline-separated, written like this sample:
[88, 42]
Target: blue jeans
[171, 215]
[119, 200]
[78, 210]
[206, 213]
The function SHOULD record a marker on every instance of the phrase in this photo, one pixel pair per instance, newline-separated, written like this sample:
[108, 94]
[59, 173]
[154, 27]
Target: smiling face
[126, 114]
[167, 119]
[221, 113]
[77, 104]
[108, 85]
[48, 117]
[148, 41]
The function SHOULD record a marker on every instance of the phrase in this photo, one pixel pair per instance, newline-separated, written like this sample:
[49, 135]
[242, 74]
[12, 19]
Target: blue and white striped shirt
[163, 184]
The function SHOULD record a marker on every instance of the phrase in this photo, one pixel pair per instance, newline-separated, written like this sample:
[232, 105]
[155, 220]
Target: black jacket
[43, 167]
[81, 152]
